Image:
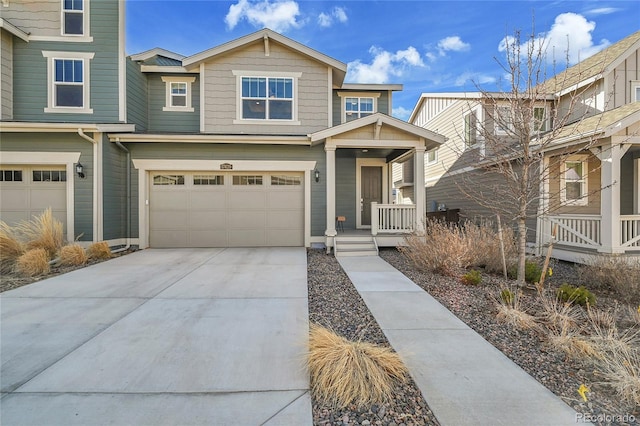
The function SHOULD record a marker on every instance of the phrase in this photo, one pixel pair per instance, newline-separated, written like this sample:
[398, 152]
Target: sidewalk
[463, 378]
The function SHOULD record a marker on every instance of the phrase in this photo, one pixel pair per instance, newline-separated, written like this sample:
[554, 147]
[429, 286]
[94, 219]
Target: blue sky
[428, 46]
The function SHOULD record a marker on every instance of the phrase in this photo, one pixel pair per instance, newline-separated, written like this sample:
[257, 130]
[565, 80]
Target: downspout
[95, 180]
[128, 183]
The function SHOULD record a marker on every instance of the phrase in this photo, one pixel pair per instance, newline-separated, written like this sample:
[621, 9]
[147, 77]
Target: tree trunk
[522, 245]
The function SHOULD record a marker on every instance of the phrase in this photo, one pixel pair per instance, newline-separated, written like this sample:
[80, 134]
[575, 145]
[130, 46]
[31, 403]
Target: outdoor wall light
[80, 170]
[316, 175]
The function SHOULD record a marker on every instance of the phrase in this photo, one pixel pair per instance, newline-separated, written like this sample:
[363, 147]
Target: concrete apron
[186, 336]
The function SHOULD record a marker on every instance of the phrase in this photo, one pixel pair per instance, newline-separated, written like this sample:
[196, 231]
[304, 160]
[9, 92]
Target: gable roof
[592, 68]
[12, 29]
[266, 35]
[175, 58]
[380, 119]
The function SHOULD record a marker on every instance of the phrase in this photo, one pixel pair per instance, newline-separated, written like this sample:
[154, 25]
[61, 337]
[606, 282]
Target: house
[587, 123]
[256, 142]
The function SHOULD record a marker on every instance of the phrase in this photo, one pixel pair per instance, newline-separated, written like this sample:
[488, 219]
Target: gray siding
[346, 189]
[172, 121]
[30, 70]
[221, 100]
[626, 182]
[245, 152]
[114, 190]
[137, 97]
[6, 76]
[41, 18]
[337, 103]
[63, 142]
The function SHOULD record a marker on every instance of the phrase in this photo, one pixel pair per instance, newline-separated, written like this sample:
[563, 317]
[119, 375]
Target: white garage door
[224, 209]
[27, 191]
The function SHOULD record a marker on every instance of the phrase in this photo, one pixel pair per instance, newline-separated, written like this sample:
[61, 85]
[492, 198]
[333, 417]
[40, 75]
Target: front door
[370, 190]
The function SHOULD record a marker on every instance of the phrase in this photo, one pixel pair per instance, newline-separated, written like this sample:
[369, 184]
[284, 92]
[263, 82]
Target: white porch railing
[392, 218]
[578, 230]
[630, 228]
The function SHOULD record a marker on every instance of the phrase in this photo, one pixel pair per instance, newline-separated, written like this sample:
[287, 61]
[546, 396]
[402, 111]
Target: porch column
[609, 156]
[419, 188]
[330, 232]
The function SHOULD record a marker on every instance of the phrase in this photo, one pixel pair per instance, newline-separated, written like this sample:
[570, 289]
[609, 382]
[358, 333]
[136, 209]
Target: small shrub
[532, 271]
[34, 262]
[99, 251]
[614, 273]
[472, 278]
[10, 248]
[43, 232]
[344, 372]
[576, 295]
[507, 297]
[73, 255]
[485, 246]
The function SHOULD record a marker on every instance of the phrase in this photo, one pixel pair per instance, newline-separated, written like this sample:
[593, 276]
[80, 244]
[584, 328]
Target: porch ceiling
[386, 153]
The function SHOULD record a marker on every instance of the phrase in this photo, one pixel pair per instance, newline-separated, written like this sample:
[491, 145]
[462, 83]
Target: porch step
[355, 246]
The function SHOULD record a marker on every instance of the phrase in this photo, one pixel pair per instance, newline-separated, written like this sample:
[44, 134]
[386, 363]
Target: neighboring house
[256, 142]
[592, 190]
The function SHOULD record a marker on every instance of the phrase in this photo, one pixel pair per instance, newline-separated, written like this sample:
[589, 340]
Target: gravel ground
[476, 306]
[336, 304]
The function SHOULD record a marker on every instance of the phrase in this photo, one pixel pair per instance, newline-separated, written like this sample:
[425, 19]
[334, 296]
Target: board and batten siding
[220, 99]
[6, 75]
[620, 78]
[231, 152]
[172, 121]
[30, 70]
[63, 142]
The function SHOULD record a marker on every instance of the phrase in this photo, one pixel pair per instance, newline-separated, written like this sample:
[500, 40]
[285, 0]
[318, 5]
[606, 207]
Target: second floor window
[73, 17]
[178, 93]
[267, 98]
[470, 129]
[539, 120]
[358, 107]
[69, 83]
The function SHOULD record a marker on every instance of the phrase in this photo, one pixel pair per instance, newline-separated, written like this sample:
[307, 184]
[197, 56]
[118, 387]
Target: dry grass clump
[99, 251]
[574, 344]
[33, 262]
[43, 232]
[621, 370]
[11, 248]
[613, 272]
[512, 312]
[73, 255]
[344, 372]
[558, 315]
[484, 246]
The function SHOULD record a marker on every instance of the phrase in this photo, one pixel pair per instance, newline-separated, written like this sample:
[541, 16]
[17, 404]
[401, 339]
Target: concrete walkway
[160, 337]
[464, 379]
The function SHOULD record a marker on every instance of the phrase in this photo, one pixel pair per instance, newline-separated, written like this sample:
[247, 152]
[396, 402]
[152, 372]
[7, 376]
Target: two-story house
[62, 90]
[256, 142]
[589, 188]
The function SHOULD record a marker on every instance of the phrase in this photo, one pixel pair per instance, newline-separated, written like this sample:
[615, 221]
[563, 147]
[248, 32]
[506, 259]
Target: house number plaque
[226, 166]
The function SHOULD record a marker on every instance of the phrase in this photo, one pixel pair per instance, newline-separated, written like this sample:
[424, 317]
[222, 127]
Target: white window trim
[635, 85]
[435, 157]
[174, 79]
[86, 82]
[345, 95]
[546, 118]
[584, 200]
[85, 23]
[475, 111]
[239, 74]
[498, 130]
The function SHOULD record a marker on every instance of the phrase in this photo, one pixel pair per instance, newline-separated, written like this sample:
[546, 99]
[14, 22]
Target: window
[470, 129]
[10, 175]
[635, 91]
[208, 180]
[178, 93]
[358, 107]
[573, 189]
[539, 120]
[285, 180]
[247, 180]
[49, 176]
[68, 88]
[267, 98]
[72, 17]
[502, 120]
[168, 180]
[432, 156]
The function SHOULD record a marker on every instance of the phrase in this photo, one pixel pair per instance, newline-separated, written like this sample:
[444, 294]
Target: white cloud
[384, 65]
[569, 37]
[401, 113]
[452, 43]
[336, 14]
[601, 11]
[476, 78]
[277, 15]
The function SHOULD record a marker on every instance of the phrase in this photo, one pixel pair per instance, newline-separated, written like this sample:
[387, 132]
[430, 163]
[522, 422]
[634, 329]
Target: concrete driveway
[184, 336]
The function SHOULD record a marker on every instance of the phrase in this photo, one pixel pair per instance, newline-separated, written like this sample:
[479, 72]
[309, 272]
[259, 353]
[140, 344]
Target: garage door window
[11, 176]
[208, 180]
[49, 176]
[168, 180]
[284, 180]
[247, 180]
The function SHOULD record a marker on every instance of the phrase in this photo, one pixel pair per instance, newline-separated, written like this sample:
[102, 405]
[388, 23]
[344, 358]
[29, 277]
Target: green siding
[114, 191]
[30, 71]
[244, 152]
[171, 121]
[63, 142]
[137, 97]
[338, 102]
[346, 189]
